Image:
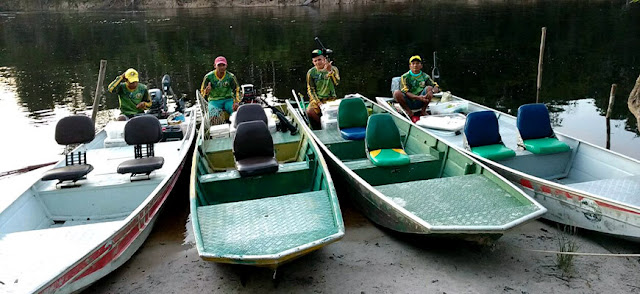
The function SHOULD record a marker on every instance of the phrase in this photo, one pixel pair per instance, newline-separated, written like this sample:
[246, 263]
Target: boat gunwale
[474, 230]
[550, 184]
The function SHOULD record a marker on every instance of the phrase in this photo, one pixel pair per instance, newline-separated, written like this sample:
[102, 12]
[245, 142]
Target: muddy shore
[370, 259]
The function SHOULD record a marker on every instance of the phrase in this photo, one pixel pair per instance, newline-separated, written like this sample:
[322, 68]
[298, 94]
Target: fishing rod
[435, 73]
[285, 124]
[300, 107]
[326, 51]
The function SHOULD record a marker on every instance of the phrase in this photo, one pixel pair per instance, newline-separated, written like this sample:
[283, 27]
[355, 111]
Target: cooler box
[448, 107]
[115, 134]
[219, 131]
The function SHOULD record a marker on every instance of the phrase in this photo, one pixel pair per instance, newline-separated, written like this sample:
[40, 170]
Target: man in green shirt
[132, 95]
[221, 89]
[322, 80]
[416, 89]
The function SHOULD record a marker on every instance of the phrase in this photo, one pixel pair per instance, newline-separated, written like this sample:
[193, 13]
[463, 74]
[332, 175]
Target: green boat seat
[546, 146]
[253, 149]
[382, 142]
[494, 152]
[142, 130]
[534, 124]
[74, 129]
[352, 118]
[482, 133]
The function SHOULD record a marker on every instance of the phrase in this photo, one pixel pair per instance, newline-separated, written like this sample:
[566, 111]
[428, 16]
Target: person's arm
[203, 88]
[334, 75]
[115, 84]
[434, 84]
[236, 99]
[311, 89]
[146, 99]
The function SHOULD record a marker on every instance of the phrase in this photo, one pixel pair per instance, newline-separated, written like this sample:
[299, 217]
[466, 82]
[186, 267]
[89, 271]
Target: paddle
[26, 169]
[435, 73]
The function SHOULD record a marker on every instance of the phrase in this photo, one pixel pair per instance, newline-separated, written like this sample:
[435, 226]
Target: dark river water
[487, 52]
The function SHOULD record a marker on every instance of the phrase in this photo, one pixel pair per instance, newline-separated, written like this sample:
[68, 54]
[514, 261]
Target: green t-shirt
[415, 85]
[225, 88]
[129, 98]
[321, 84]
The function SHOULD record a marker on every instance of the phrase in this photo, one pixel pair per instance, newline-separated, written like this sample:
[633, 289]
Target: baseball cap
[131, 75]
[220, 59]
[316, 53]
[414, 58]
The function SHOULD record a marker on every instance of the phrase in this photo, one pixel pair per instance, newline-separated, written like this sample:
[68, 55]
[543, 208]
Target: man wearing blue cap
[416, 89]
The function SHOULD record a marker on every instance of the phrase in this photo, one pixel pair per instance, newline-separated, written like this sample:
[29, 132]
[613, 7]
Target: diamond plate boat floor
[266, 226]
[624, 189]
[469, 200]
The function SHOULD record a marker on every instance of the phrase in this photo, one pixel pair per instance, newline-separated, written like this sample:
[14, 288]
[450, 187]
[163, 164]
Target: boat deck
[266, 226]
[469, 200]
[623, 190]
[64, 245]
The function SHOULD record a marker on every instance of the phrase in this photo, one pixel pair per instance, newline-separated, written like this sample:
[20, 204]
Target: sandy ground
[370, 259]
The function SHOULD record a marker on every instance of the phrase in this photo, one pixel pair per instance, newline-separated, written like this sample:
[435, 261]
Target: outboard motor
[168, 91]
[248, 93]
[158, 103]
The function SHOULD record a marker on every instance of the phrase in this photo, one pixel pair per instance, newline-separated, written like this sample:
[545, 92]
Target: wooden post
[608, 116]
[96, 98]
[540, 59]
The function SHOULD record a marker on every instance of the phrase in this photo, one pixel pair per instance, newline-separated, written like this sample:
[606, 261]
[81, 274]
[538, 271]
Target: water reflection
[487, 51]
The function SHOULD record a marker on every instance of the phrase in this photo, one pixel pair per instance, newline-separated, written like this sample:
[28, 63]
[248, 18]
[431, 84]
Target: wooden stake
[608, 116]
[96, 98]
[540, 59]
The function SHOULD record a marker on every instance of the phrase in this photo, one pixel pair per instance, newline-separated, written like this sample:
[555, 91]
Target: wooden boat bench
[421, 167]
[219, 150]
[229, 186]
[343, 148]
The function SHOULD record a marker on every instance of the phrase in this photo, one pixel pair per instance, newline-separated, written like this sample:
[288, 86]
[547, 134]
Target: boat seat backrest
[250, 112]
[352, 113]
[481, 129]
[253, 149]
[382, 133]
[142, 130]
[395, 84]
[533, 121]
[352, 118]
[74, 129]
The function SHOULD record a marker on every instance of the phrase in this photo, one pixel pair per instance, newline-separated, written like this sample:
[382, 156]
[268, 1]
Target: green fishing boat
[407, 180]
[260, 196]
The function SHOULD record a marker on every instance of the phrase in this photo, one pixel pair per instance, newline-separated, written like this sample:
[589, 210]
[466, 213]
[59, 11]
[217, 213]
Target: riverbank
[88, 5]
[374, 260]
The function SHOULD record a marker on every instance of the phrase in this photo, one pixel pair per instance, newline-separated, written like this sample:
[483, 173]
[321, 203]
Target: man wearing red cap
[416, 89]
[221, 89]
[133, 96]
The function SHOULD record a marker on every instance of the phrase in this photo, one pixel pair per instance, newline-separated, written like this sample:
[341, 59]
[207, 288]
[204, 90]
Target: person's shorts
[415, 104]
[313, 105]
[216, 106]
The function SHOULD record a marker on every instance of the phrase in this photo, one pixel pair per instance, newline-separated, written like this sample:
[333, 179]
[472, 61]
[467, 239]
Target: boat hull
[569, 205]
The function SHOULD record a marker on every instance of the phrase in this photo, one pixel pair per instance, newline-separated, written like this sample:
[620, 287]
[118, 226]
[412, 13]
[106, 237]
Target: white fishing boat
[580, 184]
[89, 214]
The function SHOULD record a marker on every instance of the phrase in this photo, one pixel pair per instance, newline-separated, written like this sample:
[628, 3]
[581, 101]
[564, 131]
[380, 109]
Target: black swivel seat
[250, 112]
[253, 149]
[142, 130]
[74, 129]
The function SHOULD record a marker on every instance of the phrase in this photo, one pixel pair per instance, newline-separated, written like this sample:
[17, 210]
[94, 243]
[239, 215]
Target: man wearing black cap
[416, 89]
[322, 80]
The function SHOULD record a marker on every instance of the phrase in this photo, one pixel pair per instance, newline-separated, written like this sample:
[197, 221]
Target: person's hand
[207, 89]
[436, 89]
[235, 106]
[327, 66]
[141, 106]
[124, 78]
